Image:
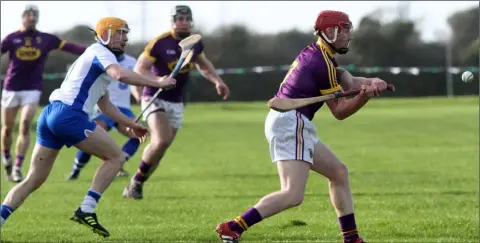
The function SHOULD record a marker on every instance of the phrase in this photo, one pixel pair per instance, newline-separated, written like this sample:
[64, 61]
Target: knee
[119, 158]
[294, 198]
[24, 129]
[7, 130]
[161, 144]
[340, 173]
[34, 181]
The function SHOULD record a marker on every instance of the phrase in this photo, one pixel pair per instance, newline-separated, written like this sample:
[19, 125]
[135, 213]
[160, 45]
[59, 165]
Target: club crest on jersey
[171, 52]
[38, 39]
[185, 69]
[17, 41]
[28, 53]
[28, 41]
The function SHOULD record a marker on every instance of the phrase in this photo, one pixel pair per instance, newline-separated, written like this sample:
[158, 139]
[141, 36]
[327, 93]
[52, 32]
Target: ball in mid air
[467, 77]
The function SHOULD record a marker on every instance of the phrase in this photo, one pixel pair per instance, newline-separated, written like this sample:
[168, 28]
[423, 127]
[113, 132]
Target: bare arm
[113, 112]
[207, 70]
[349, 82]
[124, 75]
[136, 92]
[343, 108]
[144, 67]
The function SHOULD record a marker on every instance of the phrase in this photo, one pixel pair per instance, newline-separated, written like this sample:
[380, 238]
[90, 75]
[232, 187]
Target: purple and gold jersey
[28, 52]
[164, 52]
[313, 73]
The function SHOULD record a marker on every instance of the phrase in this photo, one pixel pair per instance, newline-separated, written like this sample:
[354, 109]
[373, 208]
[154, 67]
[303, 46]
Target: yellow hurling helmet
[111, 25]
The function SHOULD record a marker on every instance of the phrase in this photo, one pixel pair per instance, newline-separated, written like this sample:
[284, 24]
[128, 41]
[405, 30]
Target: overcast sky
[263, 17]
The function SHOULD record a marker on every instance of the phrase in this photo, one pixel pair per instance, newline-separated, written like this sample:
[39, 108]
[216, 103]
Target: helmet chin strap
[342, 50]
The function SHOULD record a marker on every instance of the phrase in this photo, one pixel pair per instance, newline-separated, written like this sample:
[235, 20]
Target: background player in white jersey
[119, 96]
[65, 121]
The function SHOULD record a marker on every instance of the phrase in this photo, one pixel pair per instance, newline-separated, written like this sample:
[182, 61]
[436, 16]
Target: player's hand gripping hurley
[186, 56]
[285, 104]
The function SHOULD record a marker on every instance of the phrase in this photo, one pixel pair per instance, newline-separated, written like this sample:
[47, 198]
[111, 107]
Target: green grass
[413, 170]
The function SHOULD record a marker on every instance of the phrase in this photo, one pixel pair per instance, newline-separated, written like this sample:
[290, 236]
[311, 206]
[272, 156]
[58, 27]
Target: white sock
[6, 161]
[90, 201]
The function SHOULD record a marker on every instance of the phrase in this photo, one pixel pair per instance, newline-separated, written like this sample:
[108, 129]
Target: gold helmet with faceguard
[112, 25]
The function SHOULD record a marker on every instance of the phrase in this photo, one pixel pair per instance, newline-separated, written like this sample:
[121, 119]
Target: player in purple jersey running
[294, 146]
[165, 115]
[28, 51]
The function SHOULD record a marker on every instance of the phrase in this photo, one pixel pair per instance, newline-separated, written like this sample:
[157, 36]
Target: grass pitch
[413, 170]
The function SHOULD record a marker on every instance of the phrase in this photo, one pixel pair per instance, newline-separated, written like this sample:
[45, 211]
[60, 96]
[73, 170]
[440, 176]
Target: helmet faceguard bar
[109, 38]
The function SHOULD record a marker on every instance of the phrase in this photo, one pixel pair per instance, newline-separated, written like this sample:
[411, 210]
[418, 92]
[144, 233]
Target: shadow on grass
[379, 194]
[214, 177]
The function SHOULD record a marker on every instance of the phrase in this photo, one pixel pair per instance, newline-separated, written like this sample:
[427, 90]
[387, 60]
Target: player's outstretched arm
[72, 48]
[350, 82]
[144, 67]
[55, 43]
[207, 70]
[124, 75]
[109, 109]
[342, 108]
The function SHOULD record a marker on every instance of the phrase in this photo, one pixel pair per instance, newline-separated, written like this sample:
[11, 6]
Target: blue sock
[81, 160]
[6, 211]
[90, 201]
[130, 147]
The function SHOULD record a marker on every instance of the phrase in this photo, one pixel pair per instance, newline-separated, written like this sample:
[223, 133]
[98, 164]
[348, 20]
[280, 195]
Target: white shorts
[291, 136]
[174, 111]
[12, 99]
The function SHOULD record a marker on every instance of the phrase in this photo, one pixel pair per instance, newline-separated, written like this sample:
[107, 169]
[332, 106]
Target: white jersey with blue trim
[83, 86]
[120, 92]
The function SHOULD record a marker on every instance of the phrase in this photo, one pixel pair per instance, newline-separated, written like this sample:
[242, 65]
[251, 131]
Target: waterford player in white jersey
[65, 121]
[119, 93]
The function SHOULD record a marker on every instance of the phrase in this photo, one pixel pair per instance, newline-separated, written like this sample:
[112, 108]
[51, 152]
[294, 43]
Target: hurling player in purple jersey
[28, 51]
[164, 117]
[292, 136]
